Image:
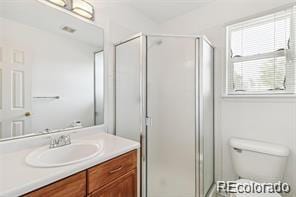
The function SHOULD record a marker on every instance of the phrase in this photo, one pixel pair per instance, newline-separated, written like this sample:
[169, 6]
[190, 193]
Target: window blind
[261, 55]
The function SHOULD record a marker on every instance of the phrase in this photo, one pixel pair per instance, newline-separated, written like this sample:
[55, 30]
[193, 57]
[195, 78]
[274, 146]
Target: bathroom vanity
[113, 172]
[116, 177]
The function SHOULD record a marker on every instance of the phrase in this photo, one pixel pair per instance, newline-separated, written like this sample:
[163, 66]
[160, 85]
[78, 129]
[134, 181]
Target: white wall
[271, 120]
[61, 67]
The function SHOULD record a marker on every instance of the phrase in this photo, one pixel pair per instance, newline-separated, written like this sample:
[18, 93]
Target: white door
[171, 105]
[15, 91]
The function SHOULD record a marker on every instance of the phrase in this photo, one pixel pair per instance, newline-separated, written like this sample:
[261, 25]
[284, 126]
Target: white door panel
[17, 128]
[15, 91]
[18, 57]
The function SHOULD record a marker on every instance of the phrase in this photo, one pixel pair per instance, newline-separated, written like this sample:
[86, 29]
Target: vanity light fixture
[80, 7]
[83, 8]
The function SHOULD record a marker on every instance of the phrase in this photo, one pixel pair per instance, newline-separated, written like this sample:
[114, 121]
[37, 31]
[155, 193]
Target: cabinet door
[125, 186]
[73, 186]
[111, 170]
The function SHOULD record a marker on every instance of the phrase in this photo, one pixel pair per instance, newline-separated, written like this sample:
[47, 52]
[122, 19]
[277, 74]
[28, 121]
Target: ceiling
[163, 10]
[159, 11]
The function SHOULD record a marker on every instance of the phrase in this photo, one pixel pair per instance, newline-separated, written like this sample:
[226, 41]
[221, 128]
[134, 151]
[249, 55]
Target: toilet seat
[253, 194]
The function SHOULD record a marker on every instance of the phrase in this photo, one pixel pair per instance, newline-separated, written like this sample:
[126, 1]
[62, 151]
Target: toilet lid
[253, 194]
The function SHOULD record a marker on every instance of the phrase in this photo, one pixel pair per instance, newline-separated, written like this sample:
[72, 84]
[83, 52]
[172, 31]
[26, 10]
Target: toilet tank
[258, 161]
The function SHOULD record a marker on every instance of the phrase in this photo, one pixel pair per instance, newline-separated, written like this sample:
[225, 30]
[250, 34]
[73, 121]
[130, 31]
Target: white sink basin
[65, 155]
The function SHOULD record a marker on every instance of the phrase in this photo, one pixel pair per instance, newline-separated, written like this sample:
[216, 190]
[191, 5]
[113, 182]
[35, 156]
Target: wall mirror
[51, 70]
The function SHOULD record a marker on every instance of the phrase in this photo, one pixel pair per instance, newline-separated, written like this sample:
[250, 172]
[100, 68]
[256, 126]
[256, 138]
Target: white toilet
[259, 162]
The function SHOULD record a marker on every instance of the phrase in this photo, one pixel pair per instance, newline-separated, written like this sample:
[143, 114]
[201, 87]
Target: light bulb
[83, 8]
[61, 3]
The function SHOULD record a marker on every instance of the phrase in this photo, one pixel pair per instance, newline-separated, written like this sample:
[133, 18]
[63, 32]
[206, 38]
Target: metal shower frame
[199, 136]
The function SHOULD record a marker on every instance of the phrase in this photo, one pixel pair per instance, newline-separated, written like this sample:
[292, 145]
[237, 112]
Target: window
[261, 54]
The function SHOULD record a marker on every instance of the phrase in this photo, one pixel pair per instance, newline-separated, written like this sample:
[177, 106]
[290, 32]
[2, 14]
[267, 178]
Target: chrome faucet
[60, 141]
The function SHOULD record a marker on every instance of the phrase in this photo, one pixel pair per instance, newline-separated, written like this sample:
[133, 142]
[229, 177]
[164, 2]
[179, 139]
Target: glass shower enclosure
[165, 100]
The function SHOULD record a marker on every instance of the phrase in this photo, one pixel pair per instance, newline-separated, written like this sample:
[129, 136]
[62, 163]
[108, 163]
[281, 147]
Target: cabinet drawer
[73, 186]
[125, 186]
[108, 171]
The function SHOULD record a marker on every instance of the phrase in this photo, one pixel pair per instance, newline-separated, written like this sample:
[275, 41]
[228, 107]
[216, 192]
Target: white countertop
[17, 178]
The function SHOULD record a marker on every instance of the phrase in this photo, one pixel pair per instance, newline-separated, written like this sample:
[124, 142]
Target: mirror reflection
[51, 70]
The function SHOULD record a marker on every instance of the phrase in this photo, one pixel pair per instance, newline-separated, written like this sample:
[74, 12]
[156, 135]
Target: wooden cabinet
[73, 186]
[107, 172]
[125, 186]
[114, 178]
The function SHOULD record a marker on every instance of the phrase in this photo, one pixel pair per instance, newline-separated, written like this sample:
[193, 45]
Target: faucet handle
[52, 142]
[67, 139]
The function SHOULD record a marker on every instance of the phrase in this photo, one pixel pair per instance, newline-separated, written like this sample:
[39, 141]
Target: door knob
[27, 114]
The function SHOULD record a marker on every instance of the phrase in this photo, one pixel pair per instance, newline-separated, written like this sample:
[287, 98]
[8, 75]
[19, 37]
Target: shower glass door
[207, 117]
[128, 105]
[171, 105]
